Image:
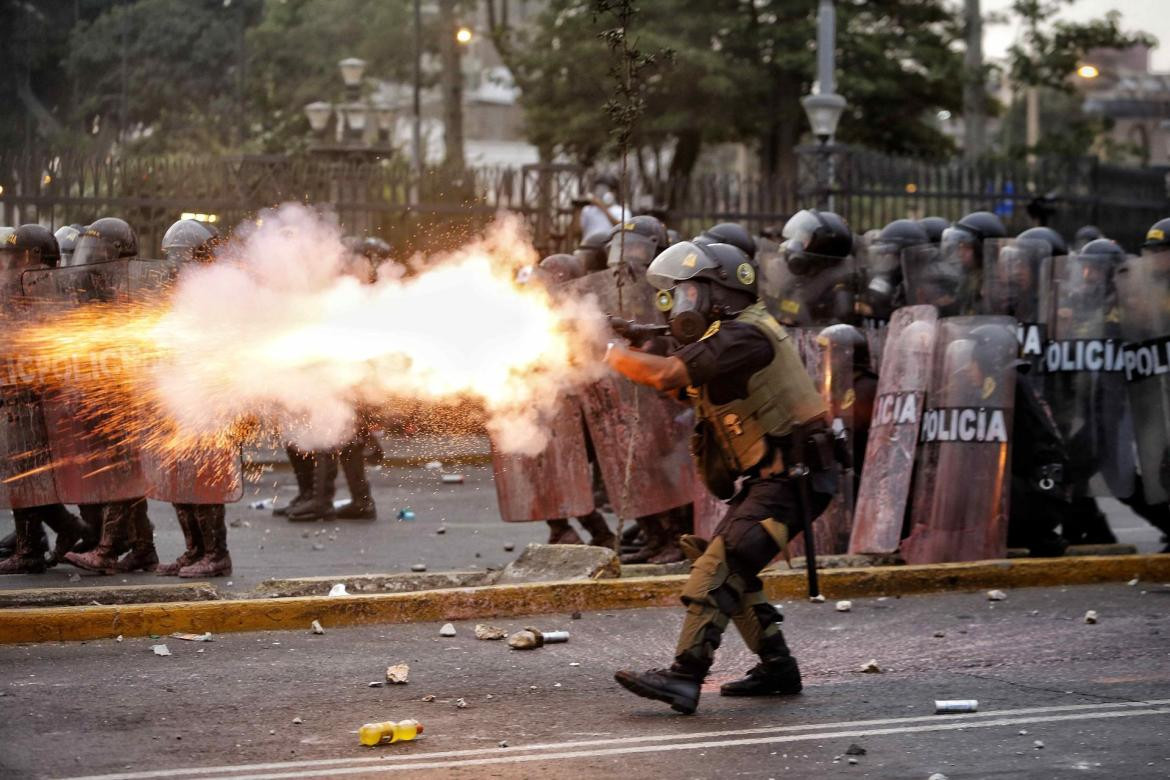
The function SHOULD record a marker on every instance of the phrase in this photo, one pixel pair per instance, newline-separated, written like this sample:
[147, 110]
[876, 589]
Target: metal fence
[424, 211]
[871, 189]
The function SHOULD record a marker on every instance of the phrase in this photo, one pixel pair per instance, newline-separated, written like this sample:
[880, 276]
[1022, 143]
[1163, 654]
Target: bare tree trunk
[452, 85]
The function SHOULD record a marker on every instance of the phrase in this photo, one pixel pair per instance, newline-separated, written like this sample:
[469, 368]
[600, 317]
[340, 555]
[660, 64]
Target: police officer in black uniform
[962, 247]
[759, 418]
[934, 227]
[822, 286]
[728, 233]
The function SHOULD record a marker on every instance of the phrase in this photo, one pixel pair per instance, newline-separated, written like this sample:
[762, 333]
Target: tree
[738, 73]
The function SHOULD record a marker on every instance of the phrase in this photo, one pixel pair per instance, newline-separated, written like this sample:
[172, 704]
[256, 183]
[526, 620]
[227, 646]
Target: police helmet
[934, 227]
[109, 238]
[30, 245]
[979, 225]
[815, 238]
[376, 249]
[847, 335]
[561, 268]
[1158, 236]
[1085, 234]
[1047, 235]
[188, 240]
[67, 236]
[728, 233]
[903, 233]
[1104, 252]
[637, 241]
[700, 284]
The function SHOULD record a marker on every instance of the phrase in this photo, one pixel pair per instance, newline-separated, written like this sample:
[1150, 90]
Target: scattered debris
[267, 503]
[316, 627]
[575, 616]
[461, 703]
[1038, 744]
[484, 631]
[948, 706]
[418, 567]
[1091, 616]
[338, 590]
[531, 638]
[378, 684]
[503, 743]
[870, 667]
[235, 522]
[118, 638]
[398, 674]
[1023, 732]
[318, 546]
[939, 634]
[817, 599]
[405, 515]
[297, 721]
[451, 479]
[996, 595]
[434, 465]
[574, 663]
[160, 649]
[192, 637]
[844, 606]
[441, 530]
[852, 760]
[430, 697]
[938, 776]
[75, 577]
[1133, 583]
[855, 750]
[509, 547]
[447, 630]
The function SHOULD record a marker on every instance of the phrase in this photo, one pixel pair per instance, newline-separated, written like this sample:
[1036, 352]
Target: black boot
[192, 540]
[320, 504]
[302, 466]
[560, 532]
[678, 689]
[361, 503]
[142, 556]
[599, 533]
[778, 677]
[72, 534]
[25, 558]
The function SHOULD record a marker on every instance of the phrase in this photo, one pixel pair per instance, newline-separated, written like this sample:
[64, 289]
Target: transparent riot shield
[641, 438]
[1017, 282]
[26, 471]
[886, 472]
[555, 483]
[92, 438]
[930, 278]
[1143, 291]
[959, 510]
[1084, 376]
[196, 475]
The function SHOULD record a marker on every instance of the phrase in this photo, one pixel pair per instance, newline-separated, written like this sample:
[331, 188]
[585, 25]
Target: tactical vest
[780, 397]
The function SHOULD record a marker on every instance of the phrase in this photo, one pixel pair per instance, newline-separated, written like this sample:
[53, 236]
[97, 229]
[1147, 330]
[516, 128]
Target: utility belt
[810, 444]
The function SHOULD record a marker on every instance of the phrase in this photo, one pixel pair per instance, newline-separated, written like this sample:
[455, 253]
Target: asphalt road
[1057, 698]
[264, 546]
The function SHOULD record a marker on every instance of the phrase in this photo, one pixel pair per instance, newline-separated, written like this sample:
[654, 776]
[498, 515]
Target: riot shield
[1084, 379]
[1017, 282]
[204, 475]
[893, 431]
[1143, 287]
[880, 274]
[824, 296]
[26, 472]
[95, 457]
[641, 438]
[962, 480]
[932, 279]
[553, 484]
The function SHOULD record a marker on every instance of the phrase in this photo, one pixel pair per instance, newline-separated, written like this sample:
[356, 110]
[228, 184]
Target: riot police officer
[934, 227]
[636, 242]
[123, 523]
[759, 419]
[592, 251]
[962, 248]
[32, 246]
[728, 233]
[1084, 235]
[883, 287]
[67, 236]
[819, 285]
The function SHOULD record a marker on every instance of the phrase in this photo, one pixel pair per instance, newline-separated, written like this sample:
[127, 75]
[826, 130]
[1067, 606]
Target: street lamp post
[824, 106]
[352, 118]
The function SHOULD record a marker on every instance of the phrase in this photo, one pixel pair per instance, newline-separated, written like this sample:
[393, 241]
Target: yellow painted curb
[47, 624]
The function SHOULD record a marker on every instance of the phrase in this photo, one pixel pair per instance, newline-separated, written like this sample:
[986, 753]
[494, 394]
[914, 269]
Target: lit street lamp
[1088, 71]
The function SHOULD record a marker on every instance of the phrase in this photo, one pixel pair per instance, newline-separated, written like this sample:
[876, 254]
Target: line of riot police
[991, 388]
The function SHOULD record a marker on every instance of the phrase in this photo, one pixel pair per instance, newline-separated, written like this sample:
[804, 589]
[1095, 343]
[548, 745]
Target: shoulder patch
[711, 331]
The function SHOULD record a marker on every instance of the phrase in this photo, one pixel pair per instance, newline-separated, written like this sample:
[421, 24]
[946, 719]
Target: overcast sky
[1152, 16]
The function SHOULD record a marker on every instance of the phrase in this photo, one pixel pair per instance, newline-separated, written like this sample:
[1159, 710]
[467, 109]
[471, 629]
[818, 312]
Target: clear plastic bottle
[389, 731]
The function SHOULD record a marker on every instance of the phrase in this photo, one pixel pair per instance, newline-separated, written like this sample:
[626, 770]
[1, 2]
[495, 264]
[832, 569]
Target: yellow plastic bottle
[374, 733]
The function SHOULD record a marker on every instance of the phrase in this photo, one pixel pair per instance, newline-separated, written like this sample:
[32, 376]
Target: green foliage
[1048, 56]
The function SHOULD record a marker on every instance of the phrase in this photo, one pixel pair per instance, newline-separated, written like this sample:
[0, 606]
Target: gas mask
[689, 307]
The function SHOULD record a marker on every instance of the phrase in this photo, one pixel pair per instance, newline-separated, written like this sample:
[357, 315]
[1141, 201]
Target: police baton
[800, 472]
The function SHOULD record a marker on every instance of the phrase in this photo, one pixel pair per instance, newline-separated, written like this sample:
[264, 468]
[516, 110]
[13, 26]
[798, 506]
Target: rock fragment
[1091, 616]
[398, 674]
[484, 631]
[315, 627]
[996, 595]
[844, 606]
[447, 630]
[870, 667]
